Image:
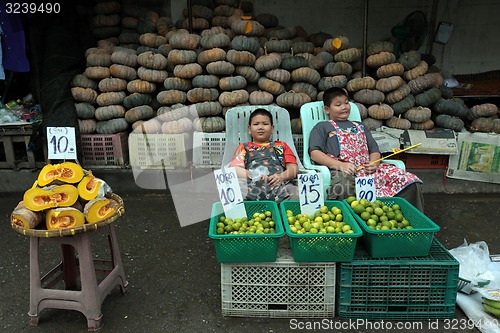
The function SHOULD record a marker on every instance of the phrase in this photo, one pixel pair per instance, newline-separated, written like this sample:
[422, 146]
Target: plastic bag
[258, 172]
[474, 260]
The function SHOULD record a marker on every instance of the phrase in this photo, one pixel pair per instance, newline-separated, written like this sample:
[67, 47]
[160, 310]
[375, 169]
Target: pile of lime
[260, 223]
[378, 216]
[323, 221]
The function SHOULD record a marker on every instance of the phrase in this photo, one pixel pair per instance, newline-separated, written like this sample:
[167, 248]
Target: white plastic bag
[474, 260]
[258, 172]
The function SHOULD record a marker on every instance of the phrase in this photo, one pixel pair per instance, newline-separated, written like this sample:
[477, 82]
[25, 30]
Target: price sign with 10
[61, 143]
[229, 191]
[365, 188]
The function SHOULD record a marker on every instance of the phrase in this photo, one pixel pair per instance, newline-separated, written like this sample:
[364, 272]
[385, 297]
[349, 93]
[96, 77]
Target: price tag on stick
[230, 193]
[61, 143]
[310, 192]
[365, 188]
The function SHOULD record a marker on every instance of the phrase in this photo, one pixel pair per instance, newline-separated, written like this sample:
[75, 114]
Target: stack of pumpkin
[64, 196]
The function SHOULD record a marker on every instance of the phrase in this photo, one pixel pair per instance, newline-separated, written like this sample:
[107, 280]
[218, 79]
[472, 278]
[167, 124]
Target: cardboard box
[479, 158]
[387, 138]
[438, 141]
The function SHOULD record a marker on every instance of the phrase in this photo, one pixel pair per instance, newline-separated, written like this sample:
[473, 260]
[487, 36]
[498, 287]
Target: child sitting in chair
[265, 167]
[348, 150]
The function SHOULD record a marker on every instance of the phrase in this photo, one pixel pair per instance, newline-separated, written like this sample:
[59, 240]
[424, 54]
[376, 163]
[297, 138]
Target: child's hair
[331, 93]
[260, 112]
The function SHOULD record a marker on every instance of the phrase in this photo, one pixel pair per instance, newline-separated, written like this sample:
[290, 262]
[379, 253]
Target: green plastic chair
[237, 130]
[312, 113]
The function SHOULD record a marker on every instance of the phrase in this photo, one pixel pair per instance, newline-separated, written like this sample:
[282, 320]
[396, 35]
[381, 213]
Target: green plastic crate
[324, 247]
[401, 242]
[247, 247]
[399, 288]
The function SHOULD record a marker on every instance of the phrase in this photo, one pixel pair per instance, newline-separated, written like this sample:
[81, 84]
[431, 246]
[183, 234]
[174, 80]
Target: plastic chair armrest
[400, 164]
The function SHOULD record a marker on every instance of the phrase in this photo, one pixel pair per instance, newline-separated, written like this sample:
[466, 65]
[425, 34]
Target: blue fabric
[13, 43]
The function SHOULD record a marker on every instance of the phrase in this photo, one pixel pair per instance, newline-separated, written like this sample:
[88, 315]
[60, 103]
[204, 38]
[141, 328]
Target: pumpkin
[109, 112]
[446, 92]
[181, 125]
[99, 209]
[90, 187]
[152, 39]
[87, 95]
[207, 109]
[450, 106]
[416, 71]
[360, 83]
[96, 72]
[220, 68]
[111, 126]
[363, 111]
[84, 110]
[141, 86]
[403, 105]
[67, 172]
[280, 33]
[209, 124]
[249, 73]
[398, 122]
[482, 110]
[303, 47]
[63, 218]
[123, 72]
[410, 59]
[293, 62]
[372, 124]
[184, 40]
[82, 81]
[260, 97]
[496, 125]
[112, 84]
[428, 97]
[450, 122]
[267, 62]
[212, 31]
[105, 20]
[188, 71]
[181, 57]
[369, 96]
[168, 114]
[423, 82]
[87, 126]
[394, 69]
[397, 94]
[321, 60]
[247, 27]
[123, 57]
[176, 83]
[296, 125]
[292, 99]
[267, 20]
[235, 97]
[199, 11]
[136, 99]
[338, 68]
[232, 82]
[131, 37]
[38, 199]
[207, 56]
[243, 58]
[380, 111]
[327, 82]
[305, 74]
[334, 45]
[418, 114]
[348, 55]
[389, 84]
[244, 43]
[197, 95]
[25, 218]
[423, 126]
[275, 45]
[379, 47]
[380, 59]
[141, 112]
[152, 60]
[270, 86]
[306, 88]
[217, 40]
[279, 75]
[170, 97]
[99, 59]
[482, 124]
[109, 98]
[152, 75]
[150, 126]
[205, 81]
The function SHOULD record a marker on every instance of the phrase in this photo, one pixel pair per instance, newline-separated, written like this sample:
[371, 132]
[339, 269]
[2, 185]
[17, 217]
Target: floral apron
[389, 179]
[260, 190]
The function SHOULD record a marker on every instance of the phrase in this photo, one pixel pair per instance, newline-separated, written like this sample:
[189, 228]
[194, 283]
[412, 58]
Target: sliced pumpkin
[98, 209]
[90, 187]
[38, 199]
[67, 172]
[23, 217]
[62, 218]
[337, 43]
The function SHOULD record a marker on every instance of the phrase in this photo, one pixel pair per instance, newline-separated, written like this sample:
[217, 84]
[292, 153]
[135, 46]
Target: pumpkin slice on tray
[23, 217]
[99, 209]
[67, 172]
[62, 218]
[38, 199]
[90, 187]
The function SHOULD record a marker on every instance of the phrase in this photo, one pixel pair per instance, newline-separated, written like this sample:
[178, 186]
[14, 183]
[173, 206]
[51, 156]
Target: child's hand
[348, 168]
[370, 168]
[276, 179]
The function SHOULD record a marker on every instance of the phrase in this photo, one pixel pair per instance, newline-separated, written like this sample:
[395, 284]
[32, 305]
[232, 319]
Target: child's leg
[341, 186]
[413, 194]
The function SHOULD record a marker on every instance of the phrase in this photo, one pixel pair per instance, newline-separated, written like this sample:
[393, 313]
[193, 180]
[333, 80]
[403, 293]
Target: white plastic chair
[312, 113]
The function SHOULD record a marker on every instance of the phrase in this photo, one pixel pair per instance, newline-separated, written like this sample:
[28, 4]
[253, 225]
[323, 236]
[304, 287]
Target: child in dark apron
[265, 168]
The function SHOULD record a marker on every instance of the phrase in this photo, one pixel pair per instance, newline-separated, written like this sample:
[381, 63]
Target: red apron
[389, 179]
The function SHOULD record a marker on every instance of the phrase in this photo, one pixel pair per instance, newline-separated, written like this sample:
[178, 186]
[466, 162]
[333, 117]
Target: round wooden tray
[38, 232]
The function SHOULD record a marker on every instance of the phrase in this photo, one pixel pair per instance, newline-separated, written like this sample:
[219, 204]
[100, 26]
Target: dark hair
[260, 112]
[331, 93]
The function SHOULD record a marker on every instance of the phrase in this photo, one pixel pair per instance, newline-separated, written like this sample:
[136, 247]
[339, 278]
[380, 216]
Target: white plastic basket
[281, 289]
[157, 151]
[208, 149]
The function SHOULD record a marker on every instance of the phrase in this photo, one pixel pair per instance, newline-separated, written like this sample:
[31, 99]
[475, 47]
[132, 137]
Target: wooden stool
[89, 299]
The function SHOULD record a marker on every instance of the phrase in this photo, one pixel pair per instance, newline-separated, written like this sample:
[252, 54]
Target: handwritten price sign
[310, 192]
[230, 193]
[61, 143]
[365, 188]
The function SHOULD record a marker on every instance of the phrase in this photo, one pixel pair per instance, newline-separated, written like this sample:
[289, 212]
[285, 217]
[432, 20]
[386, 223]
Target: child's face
[339, 109]
[260, 129]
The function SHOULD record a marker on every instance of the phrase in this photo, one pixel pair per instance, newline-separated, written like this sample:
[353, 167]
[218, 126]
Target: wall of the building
[472, 48]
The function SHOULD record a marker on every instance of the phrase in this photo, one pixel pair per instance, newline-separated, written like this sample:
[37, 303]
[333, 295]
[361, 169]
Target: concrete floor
[173, 274]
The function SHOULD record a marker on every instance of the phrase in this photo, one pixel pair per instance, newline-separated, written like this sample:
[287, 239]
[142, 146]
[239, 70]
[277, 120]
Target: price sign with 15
[310, 192]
